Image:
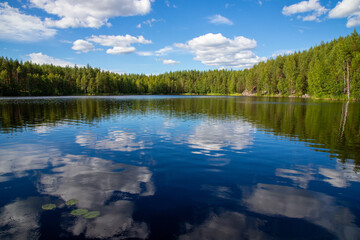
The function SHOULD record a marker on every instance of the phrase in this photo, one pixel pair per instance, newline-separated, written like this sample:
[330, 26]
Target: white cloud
[121, 50]
[90, 13]
[347, 9]
[111, 40]
[310, 18]
[161, 52]
[302, 7]
[147, 22]
[119, 44]
[169, 5]
[17, 26]
[169, 62]
[312, 6]
[218, 19]
[83, 46]
[40, 58]
[353, 21]
[145, 54]
[219, 51]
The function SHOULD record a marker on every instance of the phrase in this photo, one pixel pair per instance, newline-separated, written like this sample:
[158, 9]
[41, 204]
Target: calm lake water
[163, 167]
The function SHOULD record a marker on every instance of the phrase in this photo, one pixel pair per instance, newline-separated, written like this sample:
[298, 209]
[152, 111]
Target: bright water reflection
[180, 168]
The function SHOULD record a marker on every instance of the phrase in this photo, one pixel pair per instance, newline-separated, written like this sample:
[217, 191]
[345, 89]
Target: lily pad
[92, 214]
[71, 202]
[48, 206]
[78, 212]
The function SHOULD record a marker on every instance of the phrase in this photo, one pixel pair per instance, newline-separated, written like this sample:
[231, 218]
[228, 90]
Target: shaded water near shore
[181, 167]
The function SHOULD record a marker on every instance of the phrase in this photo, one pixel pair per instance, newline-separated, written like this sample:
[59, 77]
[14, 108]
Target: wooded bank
[330, 70]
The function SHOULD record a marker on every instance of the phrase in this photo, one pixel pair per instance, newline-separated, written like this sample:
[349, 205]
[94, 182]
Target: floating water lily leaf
[78, 212]
[48, 206]
[92, 214]
[71, 202]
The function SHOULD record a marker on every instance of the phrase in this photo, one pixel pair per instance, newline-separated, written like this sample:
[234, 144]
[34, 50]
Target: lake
[179, 167]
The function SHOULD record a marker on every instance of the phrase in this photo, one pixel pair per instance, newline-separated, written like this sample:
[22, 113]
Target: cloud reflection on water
[115, 222]
[93, 182]
[16, 160]
[20, 219]
[212, 137]
[340, 177]
[314, 207]
[226, 225]
[114, 141]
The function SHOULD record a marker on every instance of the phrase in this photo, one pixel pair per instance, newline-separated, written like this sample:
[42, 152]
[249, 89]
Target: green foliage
[79, 212]
[48, 206]
[71, 202]
[325, 70]
[91, 215]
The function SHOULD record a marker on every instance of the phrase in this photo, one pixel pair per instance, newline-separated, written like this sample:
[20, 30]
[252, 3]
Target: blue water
[159, 167]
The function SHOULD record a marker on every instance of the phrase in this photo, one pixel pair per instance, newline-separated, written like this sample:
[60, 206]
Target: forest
[329, 70]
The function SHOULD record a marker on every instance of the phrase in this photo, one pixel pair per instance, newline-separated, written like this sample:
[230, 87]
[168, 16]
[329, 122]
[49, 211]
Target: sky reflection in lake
[179, 168]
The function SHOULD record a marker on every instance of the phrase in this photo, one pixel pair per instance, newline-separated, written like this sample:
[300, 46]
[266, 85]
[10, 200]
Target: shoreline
[305, 96]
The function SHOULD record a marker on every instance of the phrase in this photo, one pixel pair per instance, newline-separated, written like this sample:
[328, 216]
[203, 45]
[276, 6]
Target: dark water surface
[180, 168]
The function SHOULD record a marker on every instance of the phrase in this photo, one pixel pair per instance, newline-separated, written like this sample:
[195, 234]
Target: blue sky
[151, 37]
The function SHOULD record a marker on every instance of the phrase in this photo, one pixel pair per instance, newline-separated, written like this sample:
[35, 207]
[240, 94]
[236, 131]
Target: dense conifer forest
[330, 70]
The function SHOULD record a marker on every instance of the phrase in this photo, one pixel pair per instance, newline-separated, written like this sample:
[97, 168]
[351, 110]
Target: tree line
[329, 70]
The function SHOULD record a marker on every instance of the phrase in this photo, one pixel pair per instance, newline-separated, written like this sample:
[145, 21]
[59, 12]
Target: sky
[157, 36]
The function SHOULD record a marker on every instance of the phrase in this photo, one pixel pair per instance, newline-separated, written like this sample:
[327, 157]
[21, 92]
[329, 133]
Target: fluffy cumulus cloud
[219, 51]
[89, 13]
[218, 19]
[40, 58]
[83, 46]
[119, 44]
[18, 26]
[349, 9]
[169, 62]
[312, 8]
